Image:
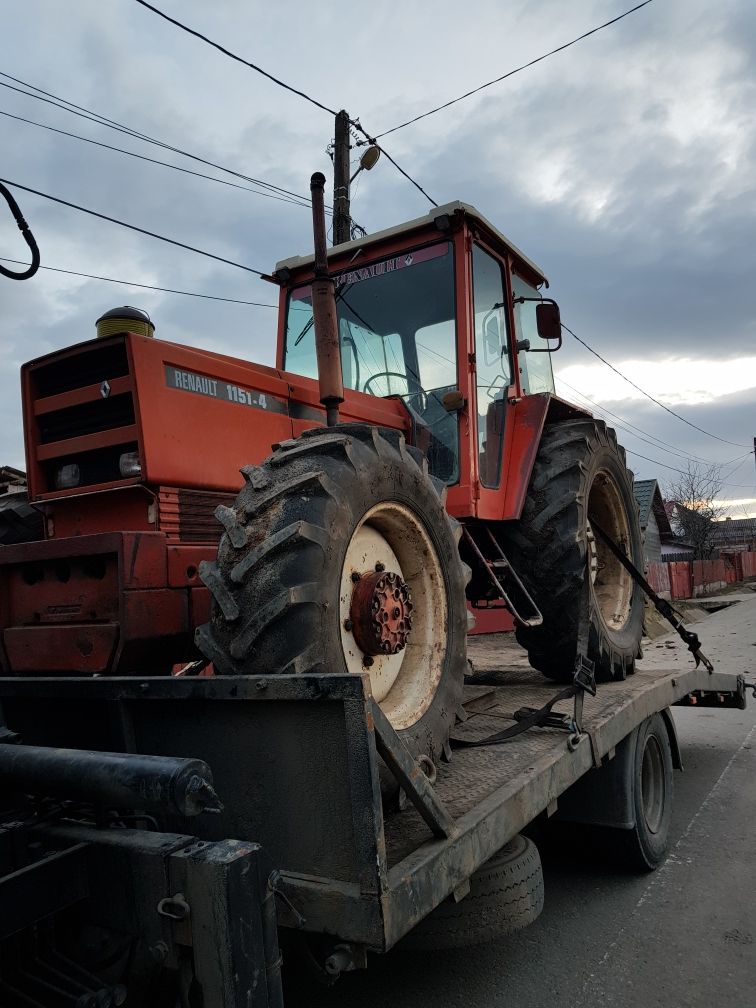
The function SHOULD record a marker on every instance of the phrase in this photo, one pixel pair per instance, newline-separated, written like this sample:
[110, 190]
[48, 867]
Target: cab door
[493, 372]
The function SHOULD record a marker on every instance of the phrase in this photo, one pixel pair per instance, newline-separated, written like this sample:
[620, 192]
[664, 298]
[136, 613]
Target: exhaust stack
[325, 320]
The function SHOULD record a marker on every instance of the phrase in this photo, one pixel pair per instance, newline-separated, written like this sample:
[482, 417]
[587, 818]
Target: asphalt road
[682, 937]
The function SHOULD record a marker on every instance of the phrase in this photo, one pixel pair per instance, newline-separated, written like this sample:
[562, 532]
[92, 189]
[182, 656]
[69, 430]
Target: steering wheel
[421, 402]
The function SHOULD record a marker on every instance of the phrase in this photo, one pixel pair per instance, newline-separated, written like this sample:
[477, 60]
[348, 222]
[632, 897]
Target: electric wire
[239, 59]
[625, 425]
[133, 227]
[100, 120]
[131, 283]
[736, 486]
[511, 73]
[407, 176]
[165, 164]
[280, 83]
[736, 444]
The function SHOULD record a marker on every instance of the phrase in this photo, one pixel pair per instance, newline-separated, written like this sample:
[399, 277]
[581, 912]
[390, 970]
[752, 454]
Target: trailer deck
[302, 777]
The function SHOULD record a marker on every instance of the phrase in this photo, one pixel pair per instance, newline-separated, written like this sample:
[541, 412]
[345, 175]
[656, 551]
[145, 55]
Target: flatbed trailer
[305, 841]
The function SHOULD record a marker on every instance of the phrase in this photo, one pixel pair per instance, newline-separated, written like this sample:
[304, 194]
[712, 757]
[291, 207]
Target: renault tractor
[455, 475]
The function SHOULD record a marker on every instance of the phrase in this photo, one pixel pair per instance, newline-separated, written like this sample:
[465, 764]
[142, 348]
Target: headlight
[67, 476]
[130, 465]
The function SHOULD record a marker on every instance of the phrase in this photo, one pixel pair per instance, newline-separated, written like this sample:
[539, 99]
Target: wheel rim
[653, 788]
[612, 585]
[391, 539]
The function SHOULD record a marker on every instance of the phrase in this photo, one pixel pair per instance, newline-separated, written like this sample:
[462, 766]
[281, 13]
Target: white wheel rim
[405, 683]
[611, 583]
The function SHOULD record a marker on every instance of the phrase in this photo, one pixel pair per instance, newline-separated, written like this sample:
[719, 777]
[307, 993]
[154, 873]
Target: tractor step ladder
[503, 577]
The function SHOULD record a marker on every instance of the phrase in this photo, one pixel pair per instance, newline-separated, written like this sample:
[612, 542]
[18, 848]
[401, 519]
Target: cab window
[535, 368]
[493, 369]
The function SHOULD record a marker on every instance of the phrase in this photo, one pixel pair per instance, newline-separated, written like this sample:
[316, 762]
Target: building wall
[652, 543]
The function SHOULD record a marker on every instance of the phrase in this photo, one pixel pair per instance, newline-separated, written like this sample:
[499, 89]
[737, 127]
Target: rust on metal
[324, 313]
[381, 613]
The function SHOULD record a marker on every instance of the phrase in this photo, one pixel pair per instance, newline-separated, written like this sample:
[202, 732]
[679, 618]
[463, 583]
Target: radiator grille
[92, 366]
[188, 516]
[84, 415]
[86, 418]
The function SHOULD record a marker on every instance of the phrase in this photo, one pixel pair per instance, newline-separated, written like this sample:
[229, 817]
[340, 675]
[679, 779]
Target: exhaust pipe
[324, 315]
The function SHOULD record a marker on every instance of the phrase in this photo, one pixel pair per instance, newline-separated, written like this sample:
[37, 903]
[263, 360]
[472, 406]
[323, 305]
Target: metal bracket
[410, 776]
[500, 569]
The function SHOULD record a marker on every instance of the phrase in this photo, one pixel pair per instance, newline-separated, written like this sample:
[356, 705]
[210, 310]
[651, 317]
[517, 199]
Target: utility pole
[342, 221]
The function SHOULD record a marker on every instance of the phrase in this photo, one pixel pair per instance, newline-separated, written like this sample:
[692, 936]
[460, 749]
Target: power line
[280, 83]
[716, 437]
[407, 176]
[100, 120]
[655, 442]
[511, 73]
[735, 486]
[130, 283]
[718, 465]
[133, 227]
[239, 59]
[165, 164]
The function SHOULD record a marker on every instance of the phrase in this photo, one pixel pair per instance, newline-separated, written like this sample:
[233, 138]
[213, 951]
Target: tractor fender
[525, 420]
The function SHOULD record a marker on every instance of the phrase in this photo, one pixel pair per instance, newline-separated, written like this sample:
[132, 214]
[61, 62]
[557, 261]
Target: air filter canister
[122, 320]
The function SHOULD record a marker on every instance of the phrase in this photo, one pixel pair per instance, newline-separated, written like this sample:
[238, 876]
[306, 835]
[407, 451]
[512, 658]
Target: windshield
[397, 331]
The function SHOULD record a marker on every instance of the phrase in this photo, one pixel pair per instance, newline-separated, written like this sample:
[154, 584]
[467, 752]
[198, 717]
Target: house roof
[732, 530]
[649, 500]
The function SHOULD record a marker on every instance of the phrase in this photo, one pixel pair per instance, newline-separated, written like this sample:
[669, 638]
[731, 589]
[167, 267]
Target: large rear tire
[338, 556]
[579, 475]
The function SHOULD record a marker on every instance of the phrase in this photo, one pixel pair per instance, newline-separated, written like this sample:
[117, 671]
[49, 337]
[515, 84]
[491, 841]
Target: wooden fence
[689, 579]
[679, 580]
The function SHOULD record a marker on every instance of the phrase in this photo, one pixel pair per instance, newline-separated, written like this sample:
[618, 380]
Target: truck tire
[644, 847]
[19, 521]
[579, 474]
[337, 553]
[506, 894]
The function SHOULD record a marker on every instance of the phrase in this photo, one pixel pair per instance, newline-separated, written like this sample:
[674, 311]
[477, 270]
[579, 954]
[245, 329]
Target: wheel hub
[381, 613]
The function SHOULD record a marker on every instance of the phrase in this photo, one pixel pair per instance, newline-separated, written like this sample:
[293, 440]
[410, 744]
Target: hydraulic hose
[25, 230]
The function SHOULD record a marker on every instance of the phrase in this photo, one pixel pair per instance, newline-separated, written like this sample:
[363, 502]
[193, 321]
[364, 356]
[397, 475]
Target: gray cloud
[624, 166]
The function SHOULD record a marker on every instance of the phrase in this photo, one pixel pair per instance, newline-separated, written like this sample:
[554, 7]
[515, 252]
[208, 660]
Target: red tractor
[453, 476]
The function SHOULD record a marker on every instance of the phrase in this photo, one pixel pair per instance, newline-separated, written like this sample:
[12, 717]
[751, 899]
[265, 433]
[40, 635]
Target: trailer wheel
[579, 476]
[19, 521]
[644, 847]
[506, 894]
[338, 556]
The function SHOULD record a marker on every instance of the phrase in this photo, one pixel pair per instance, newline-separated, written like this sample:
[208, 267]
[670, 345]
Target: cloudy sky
[624, 166]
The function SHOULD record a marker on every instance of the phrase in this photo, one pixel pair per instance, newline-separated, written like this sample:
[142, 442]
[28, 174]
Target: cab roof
[456, 209]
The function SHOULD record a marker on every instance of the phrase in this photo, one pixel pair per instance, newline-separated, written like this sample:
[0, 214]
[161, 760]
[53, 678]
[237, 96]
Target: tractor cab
[446, 314]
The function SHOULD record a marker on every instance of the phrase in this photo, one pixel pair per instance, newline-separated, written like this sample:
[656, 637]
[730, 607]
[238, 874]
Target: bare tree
[695, 493]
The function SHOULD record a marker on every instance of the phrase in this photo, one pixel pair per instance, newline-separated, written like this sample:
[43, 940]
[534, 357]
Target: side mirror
[548, 322]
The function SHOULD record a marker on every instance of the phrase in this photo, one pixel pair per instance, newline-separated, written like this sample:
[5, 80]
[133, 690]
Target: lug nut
[397, 612]
[356, 577]
[367, 661]
[380, 567]
[348, 624]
